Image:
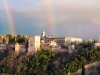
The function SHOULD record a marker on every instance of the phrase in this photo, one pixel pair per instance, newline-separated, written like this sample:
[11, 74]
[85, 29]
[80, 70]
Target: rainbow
[10, 17]
[50, 17]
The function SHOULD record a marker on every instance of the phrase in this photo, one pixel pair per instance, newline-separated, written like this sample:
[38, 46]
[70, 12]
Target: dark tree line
[13, 39]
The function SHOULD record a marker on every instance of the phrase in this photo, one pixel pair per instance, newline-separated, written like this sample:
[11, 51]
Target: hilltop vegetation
[45, 62]
[8, 39]
[24, 64]
[87, 57]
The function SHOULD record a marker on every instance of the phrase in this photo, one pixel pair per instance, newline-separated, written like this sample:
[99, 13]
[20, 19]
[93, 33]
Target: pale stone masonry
[20, 48]
[33, 44]
[96, 45]
[3, 47]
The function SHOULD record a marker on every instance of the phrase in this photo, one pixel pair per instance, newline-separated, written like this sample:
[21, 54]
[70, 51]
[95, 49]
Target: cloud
[63, 10]
[1, 9]
[79, 12]
[95, 21]
[70, 16]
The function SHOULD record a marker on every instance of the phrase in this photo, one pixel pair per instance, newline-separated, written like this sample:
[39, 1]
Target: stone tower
[43, 35]
[34, 44]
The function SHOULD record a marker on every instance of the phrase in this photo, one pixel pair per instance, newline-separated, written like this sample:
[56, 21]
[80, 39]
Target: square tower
[34, 44]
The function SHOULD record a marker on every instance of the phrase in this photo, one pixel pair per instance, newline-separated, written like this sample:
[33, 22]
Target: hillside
[91, 69]
[46, 62]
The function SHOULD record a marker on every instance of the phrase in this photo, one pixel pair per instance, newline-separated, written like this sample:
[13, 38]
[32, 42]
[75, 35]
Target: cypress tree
[83, 69]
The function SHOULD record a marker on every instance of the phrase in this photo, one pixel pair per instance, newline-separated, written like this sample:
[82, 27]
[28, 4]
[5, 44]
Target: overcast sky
[74, 18]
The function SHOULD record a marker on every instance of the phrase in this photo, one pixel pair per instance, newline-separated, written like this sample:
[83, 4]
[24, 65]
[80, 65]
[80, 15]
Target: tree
[19, 38]
[15, 41]
[85, 42]
[1, 38]
[95, 41]
[83, 69]
[25, 39]
[10, 38]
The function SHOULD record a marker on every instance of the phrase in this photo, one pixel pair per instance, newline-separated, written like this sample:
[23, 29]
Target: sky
[73, 18]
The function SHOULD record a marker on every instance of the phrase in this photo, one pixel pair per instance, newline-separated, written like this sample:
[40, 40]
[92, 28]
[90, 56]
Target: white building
[20, 48]
[96, 45]
[65, 40]
[34, 44]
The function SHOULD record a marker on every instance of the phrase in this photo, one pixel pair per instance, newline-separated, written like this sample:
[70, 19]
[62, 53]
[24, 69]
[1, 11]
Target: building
[65, 40]
[43, 35]
[3, 46]
[60, 40]
[20, 47]
[11, 46]
[96, 45]
[34, 44]
[49, 44]
[71, 48]
[52, 43]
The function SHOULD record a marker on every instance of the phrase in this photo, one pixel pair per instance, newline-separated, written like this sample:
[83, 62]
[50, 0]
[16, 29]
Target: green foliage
[83, 69]
[30, 65]
[87, 43]
[13, 39]
[87, 57]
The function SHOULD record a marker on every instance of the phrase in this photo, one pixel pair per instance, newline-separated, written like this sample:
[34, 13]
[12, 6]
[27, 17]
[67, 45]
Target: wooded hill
[45, 62]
